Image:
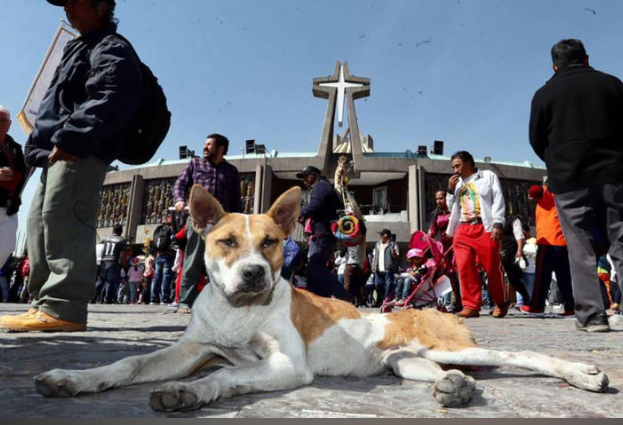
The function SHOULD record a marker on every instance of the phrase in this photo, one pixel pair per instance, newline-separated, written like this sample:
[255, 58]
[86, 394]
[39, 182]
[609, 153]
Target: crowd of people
[575, 128]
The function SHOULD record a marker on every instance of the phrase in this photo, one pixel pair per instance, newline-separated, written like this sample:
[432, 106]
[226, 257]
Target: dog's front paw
[57, 383]
[176, 396]
[587, 377]
[454, 390]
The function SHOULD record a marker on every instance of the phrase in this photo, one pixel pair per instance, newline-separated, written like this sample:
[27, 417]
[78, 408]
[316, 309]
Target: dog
[276, 337]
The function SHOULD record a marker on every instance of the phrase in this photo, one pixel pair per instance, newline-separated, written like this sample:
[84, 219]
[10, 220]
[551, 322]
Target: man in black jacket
[576, 127]
[321, 209]
[94, 95]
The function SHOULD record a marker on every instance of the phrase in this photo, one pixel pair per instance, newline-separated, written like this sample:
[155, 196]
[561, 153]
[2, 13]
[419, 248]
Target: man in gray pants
[93, 97]
[576, 127]
[222, 180]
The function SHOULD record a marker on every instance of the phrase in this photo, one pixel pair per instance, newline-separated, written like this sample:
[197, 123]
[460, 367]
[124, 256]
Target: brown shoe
[183, 310]
[500, 311]
[38, 321]
[466, 312]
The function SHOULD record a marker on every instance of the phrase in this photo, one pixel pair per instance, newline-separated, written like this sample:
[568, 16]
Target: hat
[415, 252]
[385, 232]
[61, 3]
[535, 191]
[310, 169]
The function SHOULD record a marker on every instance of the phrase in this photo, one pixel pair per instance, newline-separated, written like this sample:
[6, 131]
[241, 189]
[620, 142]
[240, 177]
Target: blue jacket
[322, 207]
[94, 95]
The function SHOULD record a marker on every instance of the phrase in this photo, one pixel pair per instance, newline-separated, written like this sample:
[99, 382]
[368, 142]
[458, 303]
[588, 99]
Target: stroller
[433, 285]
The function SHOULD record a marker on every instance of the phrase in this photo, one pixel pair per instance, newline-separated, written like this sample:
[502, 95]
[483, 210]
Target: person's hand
[519, 254]
[60, 155]
[496, 234]
[453, 182]
[6, 174]
[180, 205]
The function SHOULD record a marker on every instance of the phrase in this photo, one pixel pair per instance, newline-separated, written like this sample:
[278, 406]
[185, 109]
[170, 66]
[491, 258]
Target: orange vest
[548, 230]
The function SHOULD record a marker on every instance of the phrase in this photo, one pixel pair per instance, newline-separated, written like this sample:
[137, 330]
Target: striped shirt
[221, 180]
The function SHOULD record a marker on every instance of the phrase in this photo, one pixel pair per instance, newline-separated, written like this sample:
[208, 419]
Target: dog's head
[244, 254]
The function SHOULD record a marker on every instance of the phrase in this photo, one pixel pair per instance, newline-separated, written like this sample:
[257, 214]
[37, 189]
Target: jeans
[404, 285]
[161, 285]
[320, 280]
[384, 283]
[108, 279]
[4, 287]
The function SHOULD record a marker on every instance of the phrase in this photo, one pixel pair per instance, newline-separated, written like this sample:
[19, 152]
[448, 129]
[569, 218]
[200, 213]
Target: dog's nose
[253, 273]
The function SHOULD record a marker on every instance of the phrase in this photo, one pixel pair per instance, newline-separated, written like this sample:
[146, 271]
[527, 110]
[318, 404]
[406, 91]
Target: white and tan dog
[275, 337]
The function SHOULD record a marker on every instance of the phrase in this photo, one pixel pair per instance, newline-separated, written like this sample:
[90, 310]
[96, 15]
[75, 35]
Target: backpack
[291, 253]
[151, 124]
[162, 238]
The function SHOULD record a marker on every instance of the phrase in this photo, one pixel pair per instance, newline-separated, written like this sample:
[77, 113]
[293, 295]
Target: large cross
[341, 85]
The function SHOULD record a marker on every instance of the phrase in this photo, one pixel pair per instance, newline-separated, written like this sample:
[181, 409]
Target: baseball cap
[61, 3]
[535, 191]
[415, 252]
[385, 232]
[310, 169]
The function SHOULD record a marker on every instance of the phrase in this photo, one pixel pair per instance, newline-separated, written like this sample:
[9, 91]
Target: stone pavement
[116, 332]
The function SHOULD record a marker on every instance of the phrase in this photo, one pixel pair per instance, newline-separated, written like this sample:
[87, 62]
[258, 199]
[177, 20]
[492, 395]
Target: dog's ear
[205, 209]
[285, 211]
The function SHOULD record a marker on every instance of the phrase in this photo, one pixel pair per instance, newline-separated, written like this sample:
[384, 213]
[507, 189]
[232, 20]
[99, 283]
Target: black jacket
[576, 127]
[95, 93]
[8, 200]
[322, 207]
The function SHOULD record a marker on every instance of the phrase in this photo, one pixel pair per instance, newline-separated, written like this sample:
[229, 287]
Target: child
[135, 273]
[416, 271]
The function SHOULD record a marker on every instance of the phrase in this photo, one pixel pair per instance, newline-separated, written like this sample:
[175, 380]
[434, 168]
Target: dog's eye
[229, 242]
[268, 242]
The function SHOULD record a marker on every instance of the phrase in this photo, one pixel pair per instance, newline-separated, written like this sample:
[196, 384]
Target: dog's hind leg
[451, 388]
[174, 362]
[581, 375]
[274, 373]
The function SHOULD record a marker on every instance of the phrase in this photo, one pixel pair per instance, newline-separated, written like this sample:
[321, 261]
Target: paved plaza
[116, 332]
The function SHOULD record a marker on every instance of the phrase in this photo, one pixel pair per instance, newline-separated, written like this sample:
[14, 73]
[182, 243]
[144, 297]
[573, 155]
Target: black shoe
[598, 322]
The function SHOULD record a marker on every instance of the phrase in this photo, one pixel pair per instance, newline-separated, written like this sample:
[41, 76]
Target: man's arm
[498, 209]
[519, 237]
[183, 182]
[114, 95]
[538, 135]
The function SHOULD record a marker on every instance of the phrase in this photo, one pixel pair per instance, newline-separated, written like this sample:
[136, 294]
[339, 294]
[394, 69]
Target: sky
[461, 71]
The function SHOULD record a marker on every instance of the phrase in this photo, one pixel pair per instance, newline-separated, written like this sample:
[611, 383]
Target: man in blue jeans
[165, 256]
[385, 265]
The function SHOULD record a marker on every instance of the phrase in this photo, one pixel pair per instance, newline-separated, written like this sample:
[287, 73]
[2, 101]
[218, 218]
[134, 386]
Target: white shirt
[490, 197]
[340, 262]
[382, 248]
[529, 251]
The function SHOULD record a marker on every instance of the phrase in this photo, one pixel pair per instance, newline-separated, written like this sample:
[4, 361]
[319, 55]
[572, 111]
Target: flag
[28, 113]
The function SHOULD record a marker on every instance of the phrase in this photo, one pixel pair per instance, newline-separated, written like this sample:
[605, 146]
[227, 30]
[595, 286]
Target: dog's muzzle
[253, 280]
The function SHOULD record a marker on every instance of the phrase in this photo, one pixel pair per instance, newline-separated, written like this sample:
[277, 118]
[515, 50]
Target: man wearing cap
[552, 255]
[385, 265]
[476, 222]
[222, 180]
[94, 96]
[321, 207]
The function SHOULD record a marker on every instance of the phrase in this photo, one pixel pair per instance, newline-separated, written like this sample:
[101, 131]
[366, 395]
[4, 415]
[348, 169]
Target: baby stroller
[431, 286]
